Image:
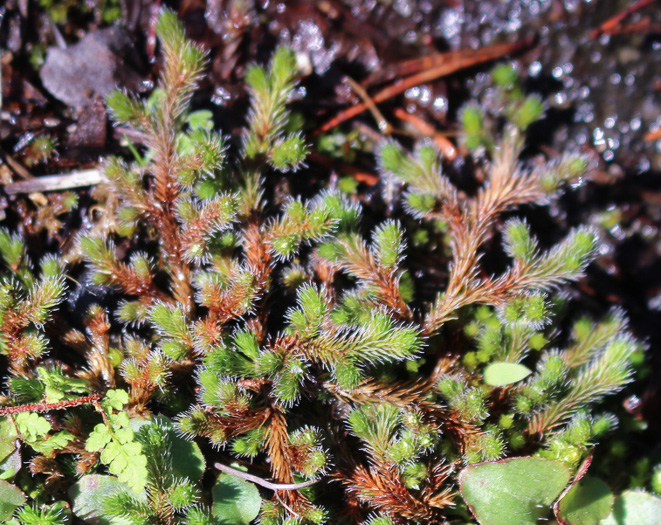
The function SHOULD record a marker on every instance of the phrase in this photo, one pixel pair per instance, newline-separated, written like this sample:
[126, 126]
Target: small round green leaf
[10, 466]
[88, 495]
[635, 508]
[235, 500]
[503, 373]
[7, 438]
[516, 491]
[587, 503]
[11, 498]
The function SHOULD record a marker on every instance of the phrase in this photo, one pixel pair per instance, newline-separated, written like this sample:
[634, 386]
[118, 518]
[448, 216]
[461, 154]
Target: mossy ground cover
[258, 316]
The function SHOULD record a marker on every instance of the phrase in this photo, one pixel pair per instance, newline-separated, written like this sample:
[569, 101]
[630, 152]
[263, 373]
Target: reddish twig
[611, 24]
[642, 27]
[652, 135]
[45, 407]
[448, 63]
[425, 128]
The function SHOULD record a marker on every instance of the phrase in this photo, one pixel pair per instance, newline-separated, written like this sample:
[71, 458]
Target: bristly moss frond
[297, 336]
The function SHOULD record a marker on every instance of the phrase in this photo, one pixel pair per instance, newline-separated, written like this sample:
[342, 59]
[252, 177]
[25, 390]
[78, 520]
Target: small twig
[56, 182]
[453, 61]
[652, 135]
[45, 407]
[426, 129]
[16, 166]
[59, 39]
[291, 511]
[381, 121]
[611, 24]
[262, 482]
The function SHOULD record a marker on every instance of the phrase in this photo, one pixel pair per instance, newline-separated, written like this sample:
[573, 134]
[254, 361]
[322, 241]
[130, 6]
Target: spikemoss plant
[291, 339]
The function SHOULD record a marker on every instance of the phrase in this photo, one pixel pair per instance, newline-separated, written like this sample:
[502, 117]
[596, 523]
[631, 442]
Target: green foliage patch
[354, 368]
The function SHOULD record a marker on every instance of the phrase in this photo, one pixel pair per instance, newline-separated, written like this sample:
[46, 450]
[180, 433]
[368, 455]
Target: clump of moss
[287, 337]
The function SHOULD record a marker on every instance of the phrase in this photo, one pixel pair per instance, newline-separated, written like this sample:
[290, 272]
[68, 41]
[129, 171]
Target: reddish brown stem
[454, 61]
[609, 25]
[45, 407]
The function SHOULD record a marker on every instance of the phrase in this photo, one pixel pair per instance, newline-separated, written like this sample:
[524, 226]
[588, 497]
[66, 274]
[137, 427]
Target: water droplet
[655, 303]
[649, 231]
[403, 7]
[413, 92]
[440, 103]
[25, 139]
[560, 98]
[632, 404]
[411, 37]
[535, 68]
[220, 96]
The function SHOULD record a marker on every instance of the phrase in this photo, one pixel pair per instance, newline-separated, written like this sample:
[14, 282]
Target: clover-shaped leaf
[32, 426]
[114, 400]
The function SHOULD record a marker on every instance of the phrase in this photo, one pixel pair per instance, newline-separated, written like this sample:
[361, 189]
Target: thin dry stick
[262, 482]
[56, 182]
[16, 166]
[381, 121]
